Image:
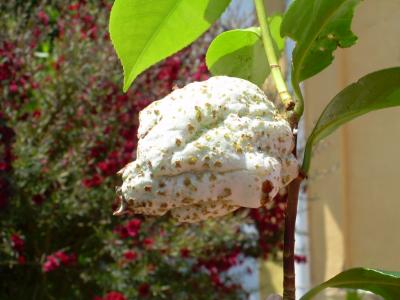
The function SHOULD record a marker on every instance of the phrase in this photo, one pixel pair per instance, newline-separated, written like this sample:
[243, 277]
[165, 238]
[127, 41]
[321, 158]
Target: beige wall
[354, 205]
[354, 202]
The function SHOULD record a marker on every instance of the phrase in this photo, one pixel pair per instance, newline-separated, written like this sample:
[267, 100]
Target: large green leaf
[385, 284]
[374, 91]
[318, 27]
[144, 32]
[240, 53]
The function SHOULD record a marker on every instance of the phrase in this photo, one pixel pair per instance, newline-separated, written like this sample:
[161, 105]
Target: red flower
[114, 296]
[130, 255]
[4, 166]
[38, 199]
[121, 231]
[57, 259]
[17, 242]
[300, 259]
[13, 87]
[144, 289]
[43, 17]
[185, 252]
[73, 6]
[21, 260]
[148, 242]
[96, 180]
[133, 227]
[65, 258]
[50, 264]
[36, 114]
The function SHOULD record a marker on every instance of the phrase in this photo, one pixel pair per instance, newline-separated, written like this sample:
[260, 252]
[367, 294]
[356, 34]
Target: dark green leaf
[353, 295]
[382, 283]
[144, 32]
[374, 91]
[240, 53]
[318, 27]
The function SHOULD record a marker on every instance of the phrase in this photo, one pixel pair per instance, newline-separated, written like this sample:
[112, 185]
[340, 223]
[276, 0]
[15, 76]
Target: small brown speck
[178, 142]
[190, 128]
[187, 181]
[213, 177]
[161, 184]
[147, 188]
[187, 200]
[227, 192]
[178, 164]
[218, 164]
[267, 187]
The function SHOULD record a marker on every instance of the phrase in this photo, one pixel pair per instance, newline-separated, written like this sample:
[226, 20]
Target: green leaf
[240, 53]
[318, 27]
[144, 32]
[374, 91]
[353, 295]
[382, 283]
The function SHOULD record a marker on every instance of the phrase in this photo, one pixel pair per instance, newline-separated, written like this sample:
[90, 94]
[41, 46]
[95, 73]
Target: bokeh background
[66, 128]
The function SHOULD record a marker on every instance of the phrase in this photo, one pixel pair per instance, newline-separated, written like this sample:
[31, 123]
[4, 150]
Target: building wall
[354, 206]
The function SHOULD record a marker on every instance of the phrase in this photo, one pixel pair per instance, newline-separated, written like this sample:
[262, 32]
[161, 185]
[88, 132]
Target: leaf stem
[273, 62]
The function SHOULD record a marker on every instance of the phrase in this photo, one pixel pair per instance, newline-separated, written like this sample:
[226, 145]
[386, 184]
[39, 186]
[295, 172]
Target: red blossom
[4, 166]
[144, 289]
[55, 260]
[17, 242]
[148, 242]
[94, 181]
[301, 259]
[38, 199]
[43, 17]
[73, 7]
[113, 295]
[121, 231]
[185, 252]
[130, 255]
[51, 264]
[133, 227]
[13, 88]
[21, 260]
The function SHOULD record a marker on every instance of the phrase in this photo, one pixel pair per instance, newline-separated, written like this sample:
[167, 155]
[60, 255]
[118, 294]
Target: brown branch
[289, 280]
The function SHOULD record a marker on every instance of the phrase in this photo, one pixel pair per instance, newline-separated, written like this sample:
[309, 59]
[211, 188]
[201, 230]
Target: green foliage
[240, 53]
[318, 27]
[145, 32]
[383, 283]
[374, 91]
